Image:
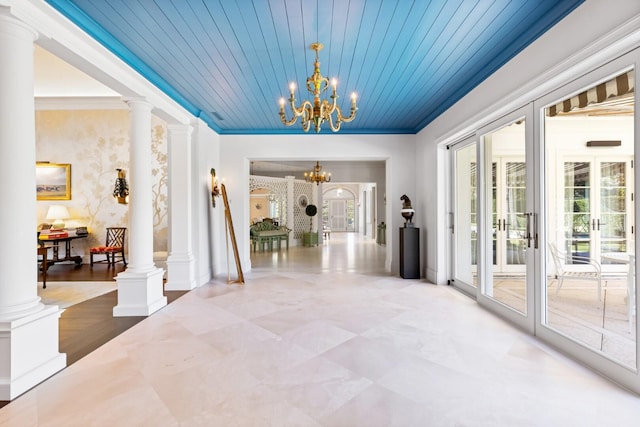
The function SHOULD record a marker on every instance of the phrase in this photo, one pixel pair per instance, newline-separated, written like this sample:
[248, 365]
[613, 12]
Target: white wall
[397, 150]
[576, 43]
[208, 222]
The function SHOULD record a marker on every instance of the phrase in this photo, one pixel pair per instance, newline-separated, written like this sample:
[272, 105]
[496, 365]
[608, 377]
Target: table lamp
[57, 214]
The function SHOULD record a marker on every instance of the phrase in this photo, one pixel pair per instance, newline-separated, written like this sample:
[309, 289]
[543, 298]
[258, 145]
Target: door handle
[527, 231]
[593, 224]
[451, 221]
[535, 231]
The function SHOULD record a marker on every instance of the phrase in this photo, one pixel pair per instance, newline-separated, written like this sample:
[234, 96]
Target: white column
[290, 207]
[140, 290]
[319, 214]
[181, 262]
[28, 329]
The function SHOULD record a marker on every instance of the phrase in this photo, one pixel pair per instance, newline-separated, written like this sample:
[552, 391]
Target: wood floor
[86, 326]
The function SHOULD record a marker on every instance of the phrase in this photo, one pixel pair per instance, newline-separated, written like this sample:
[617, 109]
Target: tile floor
[321, 337]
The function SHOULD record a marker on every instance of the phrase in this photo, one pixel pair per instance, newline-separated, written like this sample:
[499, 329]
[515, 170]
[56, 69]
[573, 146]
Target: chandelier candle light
[320, 110]
[316, 176]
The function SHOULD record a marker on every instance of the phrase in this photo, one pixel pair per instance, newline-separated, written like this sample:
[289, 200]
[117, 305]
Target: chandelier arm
[300, 110]
[284, 120]
[307, 115]
[352, 115]
[335, 127]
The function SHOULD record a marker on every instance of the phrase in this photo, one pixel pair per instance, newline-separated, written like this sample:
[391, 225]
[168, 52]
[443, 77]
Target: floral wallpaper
[96, 143]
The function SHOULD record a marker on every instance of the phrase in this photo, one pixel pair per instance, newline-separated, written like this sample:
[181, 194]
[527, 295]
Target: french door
[464, 216]
[597, 209]
[338, 214]
[492, 216]
[543, 219]
[508, 193]
[588, 296]
[507, 218]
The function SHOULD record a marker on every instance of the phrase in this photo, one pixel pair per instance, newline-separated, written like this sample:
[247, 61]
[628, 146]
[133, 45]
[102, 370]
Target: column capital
[13, 26]
[138, 103]
[198, 123]
[178, 128]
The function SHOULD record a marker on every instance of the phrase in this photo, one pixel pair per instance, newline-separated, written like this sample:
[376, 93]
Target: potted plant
[311, 211]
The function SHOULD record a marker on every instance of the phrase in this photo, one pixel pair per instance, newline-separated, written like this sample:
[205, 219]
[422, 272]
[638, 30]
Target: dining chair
[114, 247]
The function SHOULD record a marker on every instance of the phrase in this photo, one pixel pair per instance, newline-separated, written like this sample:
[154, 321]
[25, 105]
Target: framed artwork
[303, 201]
[53, 181]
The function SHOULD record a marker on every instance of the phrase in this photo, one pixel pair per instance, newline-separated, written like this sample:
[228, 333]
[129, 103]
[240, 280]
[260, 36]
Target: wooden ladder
[229, 230]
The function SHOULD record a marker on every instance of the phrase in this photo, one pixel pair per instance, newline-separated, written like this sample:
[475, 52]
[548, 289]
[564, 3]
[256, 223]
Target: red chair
[113, 248]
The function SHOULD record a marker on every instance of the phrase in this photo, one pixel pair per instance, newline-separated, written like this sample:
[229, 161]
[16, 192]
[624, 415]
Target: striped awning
[617, 86]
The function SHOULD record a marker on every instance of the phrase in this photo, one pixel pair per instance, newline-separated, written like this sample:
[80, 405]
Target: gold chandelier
[320, 110]
[316, 176]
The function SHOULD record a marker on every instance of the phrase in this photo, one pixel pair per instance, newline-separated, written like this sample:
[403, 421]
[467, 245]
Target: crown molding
[80, 103]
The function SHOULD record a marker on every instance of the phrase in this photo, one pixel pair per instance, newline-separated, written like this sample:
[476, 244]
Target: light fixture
[319, 110]
[316, 176]
[57, 214]
[215, 189]
[121, 188]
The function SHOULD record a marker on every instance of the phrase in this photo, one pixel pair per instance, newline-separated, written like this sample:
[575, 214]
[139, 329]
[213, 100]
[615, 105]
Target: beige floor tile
[324, 337]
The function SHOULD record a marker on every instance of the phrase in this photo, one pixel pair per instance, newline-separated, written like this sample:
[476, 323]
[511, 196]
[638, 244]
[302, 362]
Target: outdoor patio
[576, 312]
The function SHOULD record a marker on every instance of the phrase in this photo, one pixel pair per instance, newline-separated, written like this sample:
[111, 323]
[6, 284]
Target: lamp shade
[57, 214]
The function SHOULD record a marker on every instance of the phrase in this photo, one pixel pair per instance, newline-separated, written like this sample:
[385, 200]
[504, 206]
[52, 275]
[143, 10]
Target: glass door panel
[589, 291]
[464, 227]
[612, 223]
[577, 211]
[515, 223]
[505, 180]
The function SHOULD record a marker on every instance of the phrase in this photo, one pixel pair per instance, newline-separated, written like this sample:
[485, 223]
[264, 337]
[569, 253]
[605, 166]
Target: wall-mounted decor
[121, 188]
[215, 190]
[53, 181]
[303, 201]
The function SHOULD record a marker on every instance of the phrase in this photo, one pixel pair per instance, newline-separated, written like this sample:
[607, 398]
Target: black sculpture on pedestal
[407, 211]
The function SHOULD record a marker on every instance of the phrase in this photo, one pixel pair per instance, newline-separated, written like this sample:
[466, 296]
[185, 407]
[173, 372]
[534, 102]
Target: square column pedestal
[139, 294]
[29, 351]
[181, 274]
[410, 253]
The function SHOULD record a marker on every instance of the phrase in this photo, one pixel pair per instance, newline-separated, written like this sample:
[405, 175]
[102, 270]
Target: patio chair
[593, 272]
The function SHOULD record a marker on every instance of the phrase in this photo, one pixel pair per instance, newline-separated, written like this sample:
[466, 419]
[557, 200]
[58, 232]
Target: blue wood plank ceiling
[229, 62]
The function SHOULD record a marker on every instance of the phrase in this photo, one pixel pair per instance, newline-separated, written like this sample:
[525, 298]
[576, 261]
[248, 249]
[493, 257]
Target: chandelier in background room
[316, 176]
[320, 110]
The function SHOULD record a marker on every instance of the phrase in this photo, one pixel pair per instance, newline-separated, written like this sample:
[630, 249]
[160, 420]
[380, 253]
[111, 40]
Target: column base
[181, 273]
[139, 294]
[29, 351]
